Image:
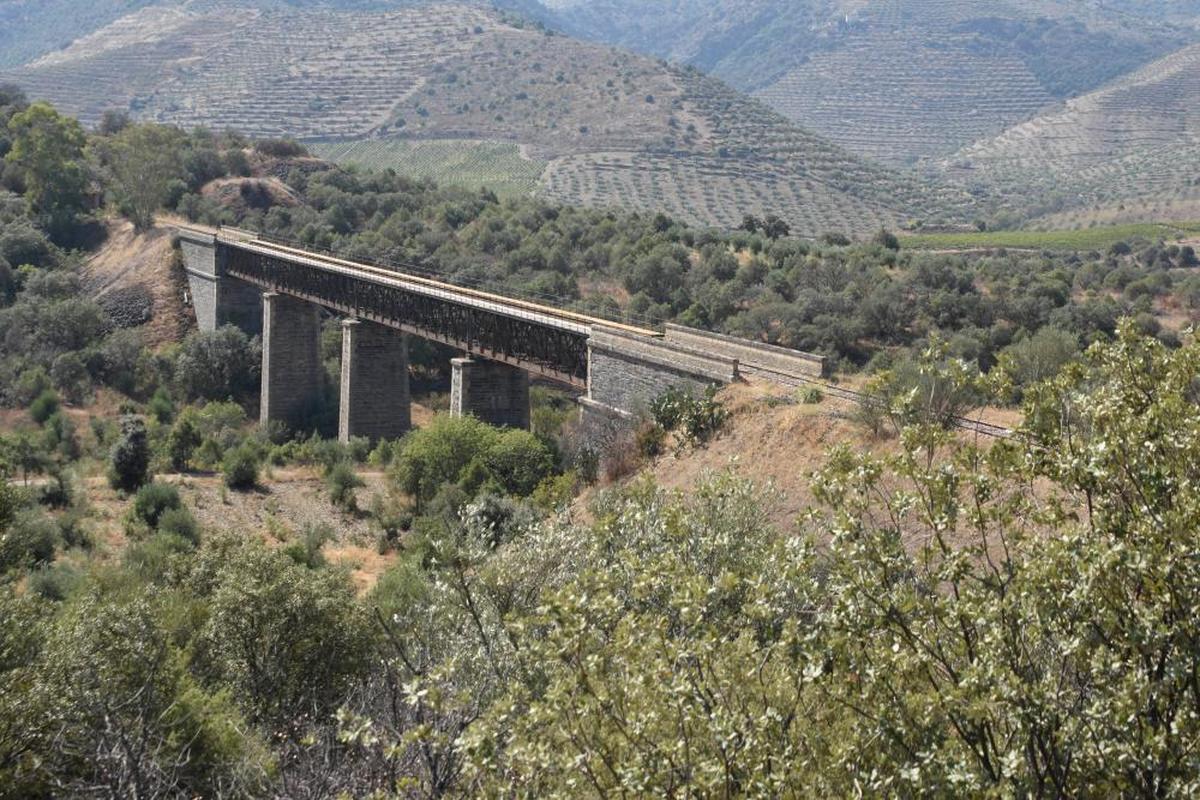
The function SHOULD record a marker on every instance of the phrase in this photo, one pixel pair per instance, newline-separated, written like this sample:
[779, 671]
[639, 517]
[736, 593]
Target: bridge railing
[430, 273]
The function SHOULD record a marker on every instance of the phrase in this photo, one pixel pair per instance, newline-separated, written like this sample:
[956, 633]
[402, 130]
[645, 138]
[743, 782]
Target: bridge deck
[541, 314]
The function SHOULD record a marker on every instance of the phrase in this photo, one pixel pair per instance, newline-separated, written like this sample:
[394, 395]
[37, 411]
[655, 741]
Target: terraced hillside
[261, 72]
[897, 80]
[1136, 142]
[614, 128]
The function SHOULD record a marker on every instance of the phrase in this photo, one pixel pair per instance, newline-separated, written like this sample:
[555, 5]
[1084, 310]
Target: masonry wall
[755, 355]
[200, 264]
[217, 299]
[626, 372]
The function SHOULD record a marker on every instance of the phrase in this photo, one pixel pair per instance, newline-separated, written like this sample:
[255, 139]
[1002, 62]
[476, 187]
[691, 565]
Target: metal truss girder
[512, 338]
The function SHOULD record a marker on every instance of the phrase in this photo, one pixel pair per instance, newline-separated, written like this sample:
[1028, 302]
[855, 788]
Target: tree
[773, 227]
[144, 160]
[129, 465]
[1039, 357]
[217, 365]
[288, 640]
[183, 440]
[1015, 619]
[240, 468]
[127, 717]
[47, 149]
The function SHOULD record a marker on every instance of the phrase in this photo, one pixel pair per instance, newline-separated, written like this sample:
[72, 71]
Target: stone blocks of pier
[291, 359]
[375, 398]
[490, 391]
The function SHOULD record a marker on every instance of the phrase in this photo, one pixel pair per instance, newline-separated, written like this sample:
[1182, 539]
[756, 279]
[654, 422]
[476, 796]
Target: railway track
[833, 390]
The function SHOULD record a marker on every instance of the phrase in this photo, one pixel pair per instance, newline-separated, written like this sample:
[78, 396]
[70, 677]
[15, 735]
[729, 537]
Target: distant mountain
[1134, 143]
[614, 128]
[897, 80]
[30, 29]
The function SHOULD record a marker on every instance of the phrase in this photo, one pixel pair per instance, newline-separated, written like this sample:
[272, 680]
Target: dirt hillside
[134, 276]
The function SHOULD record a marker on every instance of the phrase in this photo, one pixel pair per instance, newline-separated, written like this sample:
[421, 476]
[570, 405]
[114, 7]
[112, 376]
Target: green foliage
[307, 551]
[239, 467]
[143, 161]
[933, 390]
[285, 638]
[342, 481]
[696, 419]
[125, 711]
[70, 376]
[219, 365]
[1039, 357]
[179, 522]
[129, 464]
[161, 407]
[44, 406]
[468, 452]
[47, 149]
[28, 539]
[153, 501]
[183, 440]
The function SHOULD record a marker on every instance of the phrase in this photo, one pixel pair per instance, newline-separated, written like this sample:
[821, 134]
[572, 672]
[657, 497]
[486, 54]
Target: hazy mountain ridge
[857, 72]
[1136, 140]
[615, 128]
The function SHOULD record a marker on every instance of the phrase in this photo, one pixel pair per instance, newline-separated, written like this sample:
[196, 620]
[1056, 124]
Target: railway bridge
[236, 277]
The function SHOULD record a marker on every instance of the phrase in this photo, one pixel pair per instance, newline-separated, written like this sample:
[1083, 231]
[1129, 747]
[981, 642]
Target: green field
[469, 163]
[1098, 238]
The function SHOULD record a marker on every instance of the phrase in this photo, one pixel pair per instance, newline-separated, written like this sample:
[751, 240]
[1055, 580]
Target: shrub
[44, 406]
[30, 540]
[130, 461]
[55, 582]
[160, 406]
[812, 396]
[518, 461]
[217, 365]
[30, 384]
[182, 442]
[240, 468]
[649, 439]
[151, 558]
[180, 522]
[70, 376]
[60, 436]
[153, 501]
[287, 641]
[695, 418]
[342, 480]
[307, 551]
[438, 454]
[280, 148]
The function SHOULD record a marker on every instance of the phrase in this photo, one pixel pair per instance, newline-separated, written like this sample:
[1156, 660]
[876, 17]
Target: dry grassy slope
[778, 443]
[1134, 143]
[618, 129]
[139, 269]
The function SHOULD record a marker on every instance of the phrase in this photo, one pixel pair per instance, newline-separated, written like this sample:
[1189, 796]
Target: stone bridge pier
[375, 399]
[291, 359]
[493, 392]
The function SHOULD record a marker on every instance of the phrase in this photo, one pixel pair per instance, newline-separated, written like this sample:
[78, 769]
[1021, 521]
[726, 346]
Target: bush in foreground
[240, 468]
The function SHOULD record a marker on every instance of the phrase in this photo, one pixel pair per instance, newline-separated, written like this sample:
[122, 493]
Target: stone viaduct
[235, 277]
